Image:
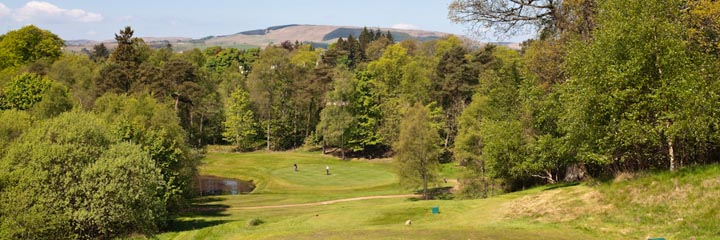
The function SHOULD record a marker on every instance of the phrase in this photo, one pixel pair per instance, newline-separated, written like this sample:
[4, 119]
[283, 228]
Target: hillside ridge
[318, 35]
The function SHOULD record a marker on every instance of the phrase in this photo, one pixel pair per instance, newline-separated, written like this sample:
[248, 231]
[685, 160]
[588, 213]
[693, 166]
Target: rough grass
[678, 205]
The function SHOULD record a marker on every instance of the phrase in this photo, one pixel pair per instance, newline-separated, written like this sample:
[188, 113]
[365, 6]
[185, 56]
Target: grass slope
[672, 205]
[678, 205]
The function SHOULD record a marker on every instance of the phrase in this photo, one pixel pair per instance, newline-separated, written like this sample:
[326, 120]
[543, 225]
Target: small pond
[211, 185]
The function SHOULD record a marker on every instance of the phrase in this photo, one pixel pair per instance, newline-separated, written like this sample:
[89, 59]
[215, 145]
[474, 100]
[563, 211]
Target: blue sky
[100, 19]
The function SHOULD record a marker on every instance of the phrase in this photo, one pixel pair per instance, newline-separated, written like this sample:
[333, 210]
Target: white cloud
[404, 26]
[4, 11]
[36, 11]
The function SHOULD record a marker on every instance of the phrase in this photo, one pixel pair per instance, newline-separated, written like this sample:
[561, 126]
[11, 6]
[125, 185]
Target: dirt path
[456, 186]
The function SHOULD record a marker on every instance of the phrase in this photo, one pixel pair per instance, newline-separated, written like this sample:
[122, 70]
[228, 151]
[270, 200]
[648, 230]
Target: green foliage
[352, 114]
[114, 78]
[417, 149]
[271, 88]
[388, 75]
[155, 127]
[232, 57]
[55, 101]
[367, 115]
[27, 45]
[636, 88]
[99, 52]
[121, 71]
[336, 118]
[126, 179]
[493, 139]
[15, 123]
[76, 71]
[239, 121]
[65, 180]
[24, 91]
[127, 48]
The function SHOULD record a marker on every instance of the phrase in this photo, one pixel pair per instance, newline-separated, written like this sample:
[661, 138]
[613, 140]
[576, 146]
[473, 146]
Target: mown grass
[379, 219]
[277, 183]
[671, 205]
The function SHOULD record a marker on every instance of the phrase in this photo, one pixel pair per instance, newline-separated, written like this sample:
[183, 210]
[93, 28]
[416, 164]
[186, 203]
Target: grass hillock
[679, 205]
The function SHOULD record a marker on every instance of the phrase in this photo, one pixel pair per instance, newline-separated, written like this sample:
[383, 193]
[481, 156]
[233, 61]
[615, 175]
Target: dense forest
[108, 140]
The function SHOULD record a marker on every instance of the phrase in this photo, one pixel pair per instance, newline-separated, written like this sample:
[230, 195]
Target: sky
[100, 19]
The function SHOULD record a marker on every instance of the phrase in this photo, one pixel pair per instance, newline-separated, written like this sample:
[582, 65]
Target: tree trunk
[425, 183]
[575, 172]
[267, 137]
[671, 151]
[295, 130]
[484, 180]
[202, 118]
[342, 145]
[190, 123]
[424, 172]
[548, 176]
[177, 101]
[307, 124]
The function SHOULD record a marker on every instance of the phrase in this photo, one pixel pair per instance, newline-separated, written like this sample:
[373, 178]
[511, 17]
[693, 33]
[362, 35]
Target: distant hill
[319, 35]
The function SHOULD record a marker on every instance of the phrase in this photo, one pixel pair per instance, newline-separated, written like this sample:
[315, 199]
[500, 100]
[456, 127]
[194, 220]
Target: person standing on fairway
[295, 166]
[327, 170]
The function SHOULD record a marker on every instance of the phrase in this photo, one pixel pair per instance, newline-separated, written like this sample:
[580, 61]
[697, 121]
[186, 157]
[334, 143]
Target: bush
[64, 180]
[254, 222]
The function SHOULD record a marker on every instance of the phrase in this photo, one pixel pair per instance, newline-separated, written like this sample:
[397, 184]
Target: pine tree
[356, 54]
[378, 34]
[125, 51]
[365, 38]
[100, 52]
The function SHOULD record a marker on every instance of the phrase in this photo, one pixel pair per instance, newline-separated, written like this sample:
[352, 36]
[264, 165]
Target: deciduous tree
[417, 149]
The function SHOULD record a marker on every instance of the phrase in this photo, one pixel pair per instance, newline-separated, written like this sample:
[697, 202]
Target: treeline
[608, 86]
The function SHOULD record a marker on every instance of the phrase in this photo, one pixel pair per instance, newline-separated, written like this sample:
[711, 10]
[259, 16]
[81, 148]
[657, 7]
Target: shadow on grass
[201, 200]
[561, 185]
[206, 210]
[192, 224]
[438, 193]
[195, 216]
[205, 207]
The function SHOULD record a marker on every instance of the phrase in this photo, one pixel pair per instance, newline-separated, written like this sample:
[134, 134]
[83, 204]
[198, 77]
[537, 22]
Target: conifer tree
[389, 36]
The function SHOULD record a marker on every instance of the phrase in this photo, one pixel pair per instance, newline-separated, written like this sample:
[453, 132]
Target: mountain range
[318, 35]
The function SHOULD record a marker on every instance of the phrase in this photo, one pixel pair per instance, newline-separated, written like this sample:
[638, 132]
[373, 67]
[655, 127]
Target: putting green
[345, 176]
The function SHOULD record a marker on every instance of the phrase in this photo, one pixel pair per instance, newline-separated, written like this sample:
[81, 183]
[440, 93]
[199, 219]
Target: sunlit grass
[279, 184]
[672, 205]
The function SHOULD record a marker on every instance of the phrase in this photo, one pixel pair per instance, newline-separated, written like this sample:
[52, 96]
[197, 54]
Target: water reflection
[211, 185]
